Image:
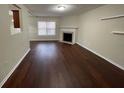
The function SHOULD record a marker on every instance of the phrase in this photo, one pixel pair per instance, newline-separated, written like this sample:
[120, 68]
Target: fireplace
[67, 37]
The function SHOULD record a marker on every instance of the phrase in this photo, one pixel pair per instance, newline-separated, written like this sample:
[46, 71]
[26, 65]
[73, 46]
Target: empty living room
[62, 46]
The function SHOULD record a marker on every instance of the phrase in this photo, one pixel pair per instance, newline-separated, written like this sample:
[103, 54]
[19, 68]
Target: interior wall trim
[14, 68]
[107, 59]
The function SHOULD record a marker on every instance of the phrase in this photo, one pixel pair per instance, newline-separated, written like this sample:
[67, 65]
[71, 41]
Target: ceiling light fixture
[61, 8]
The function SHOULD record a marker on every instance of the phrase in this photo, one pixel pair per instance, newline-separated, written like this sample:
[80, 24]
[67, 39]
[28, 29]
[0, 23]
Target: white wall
[34, 28]
[12, 47]
[69, 21]
[96, 34]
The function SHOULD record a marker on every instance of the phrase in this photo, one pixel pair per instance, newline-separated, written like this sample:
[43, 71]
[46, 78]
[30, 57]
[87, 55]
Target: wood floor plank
[55, 64]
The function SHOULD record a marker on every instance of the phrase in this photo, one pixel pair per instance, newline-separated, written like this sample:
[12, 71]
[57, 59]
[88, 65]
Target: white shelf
[118, 32]
[112, 17]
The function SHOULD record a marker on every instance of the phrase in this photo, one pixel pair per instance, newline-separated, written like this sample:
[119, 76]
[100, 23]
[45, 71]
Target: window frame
[47, 32]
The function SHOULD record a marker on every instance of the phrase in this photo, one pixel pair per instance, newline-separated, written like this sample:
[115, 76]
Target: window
[46, 28]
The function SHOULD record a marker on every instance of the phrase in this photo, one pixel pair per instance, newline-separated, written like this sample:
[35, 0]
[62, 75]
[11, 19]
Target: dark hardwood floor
[54, 64]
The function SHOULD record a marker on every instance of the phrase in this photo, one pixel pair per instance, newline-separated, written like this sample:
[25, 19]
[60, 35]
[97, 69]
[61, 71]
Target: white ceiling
[51, 9]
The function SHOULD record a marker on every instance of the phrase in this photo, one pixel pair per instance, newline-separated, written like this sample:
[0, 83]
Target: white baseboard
[107, 59]
[44, 40]
[10, 73]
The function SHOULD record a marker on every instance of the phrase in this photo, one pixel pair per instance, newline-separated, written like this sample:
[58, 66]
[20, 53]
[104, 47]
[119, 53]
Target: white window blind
[46, 28]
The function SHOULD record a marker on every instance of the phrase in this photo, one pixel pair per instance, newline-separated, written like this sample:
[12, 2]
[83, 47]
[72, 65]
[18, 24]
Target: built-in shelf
[118, 32]
[112, 17]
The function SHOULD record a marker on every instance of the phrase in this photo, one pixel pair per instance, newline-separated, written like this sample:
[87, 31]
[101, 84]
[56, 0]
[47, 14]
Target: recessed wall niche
[15, 19]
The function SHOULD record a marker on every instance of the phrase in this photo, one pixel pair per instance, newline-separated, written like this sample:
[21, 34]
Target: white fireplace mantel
[71, 30]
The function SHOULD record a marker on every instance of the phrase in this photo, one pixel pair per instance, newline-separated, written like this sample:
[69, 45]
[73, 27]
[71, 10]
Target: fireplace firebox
[67, 37]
